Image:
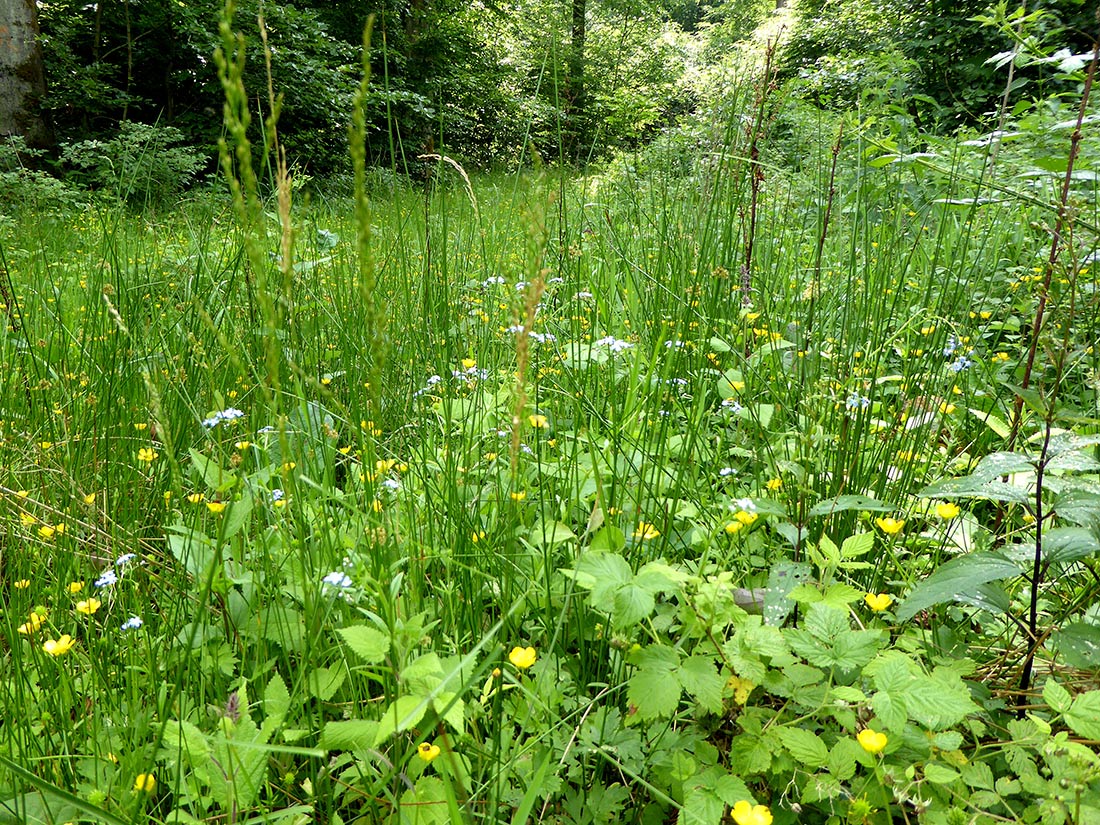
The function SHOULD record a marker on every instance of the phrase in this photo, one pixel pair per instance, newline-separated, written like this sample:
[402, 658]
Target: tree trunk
[22, 79]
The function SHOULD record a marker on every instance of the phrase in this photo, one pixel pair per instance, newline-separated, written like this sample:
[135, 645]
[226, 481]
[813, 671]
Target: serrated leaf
[1062, 544]
[841, 595]
[629, 605]
[890, 709]
[426, 803]
[842, 758]
[700, 678]
[701, 806]
[1083, 716]
[1056, 696]
[276, 702]
[655, 687]
[354, 734]
[602, 573]
[998, 425]
[403, 713]
[369, 643]
[939, 774]
[782, 579]
[970, 487]
[955, 581]
[939, 701]
[858, 545]
[551, 533]
[805, 746]
[452, 710]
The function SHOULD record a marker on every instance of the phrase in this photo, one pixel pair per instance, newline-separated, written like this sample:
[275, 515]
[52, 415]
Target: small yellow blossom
[878, 601]
[76, 587]
[741, 689]
[522, 657]
[477, 536]
[746, 518]
[145, 782]
[59, 647]
[90, 498]
[196, 498]
[890, 525]
[45, 445]
[745, 813]
[646, 531]
[216, 507]
[427, 752]
[32, 624]
[147, 455]
[733, 527]
[46, 532]
[27, 520]
[871, 741]
[21, 584]
[947, 510]
[774, 484]
[243, 445]
[518, 495]
[468, 363]
[88, 606]
[140, 425]
[537, 421]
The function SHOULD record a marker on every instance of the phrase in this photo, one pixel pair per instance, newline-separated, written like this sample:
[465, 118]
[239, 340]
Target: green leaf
[939, 774]
[236, 516]
[369, 643]
[602, 573]
[402, 714]
[630, 605]
[841, 595]
[701, 806]
[782, 579]
[551, 533]
[1062, 544]
[426, 803]
[452, 710]
[1079, 644]
[1083, 716]
[655, 688]
[841, 504]
[857, 545]
[323, 682]
[842, 758]
[352, 735]
[957, 581]
[805, 746]
[939, 701]
[212, 475]
[276, 702]
[701, 679]
[998, 425]
[1056, 696]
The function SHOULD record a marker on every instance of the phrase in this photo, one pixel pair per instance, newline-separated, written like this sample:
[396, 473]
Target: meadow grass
[298, 528]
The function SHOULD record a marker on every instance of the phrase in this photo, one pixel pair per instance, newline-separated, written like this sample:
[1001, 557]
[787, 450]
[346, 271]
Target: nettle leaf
[276, 704]
[825, 639]
[629, 605]
[699, 676]
[957, 581]
[369, 643]
[1079, 507]
[654, 689]
[1083, 716]
[970, 487]
[805, 746]
[938, 701]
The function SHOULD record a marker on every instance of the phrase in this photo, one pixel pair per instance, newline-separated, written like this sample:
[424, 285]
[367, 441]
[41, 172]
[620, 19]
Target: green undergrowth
[503, 500]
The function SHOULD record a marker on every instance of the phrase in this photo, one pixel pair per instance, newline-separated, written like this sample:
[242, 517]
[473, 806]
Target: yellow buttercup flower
[196, 498]
[745, 813]
[147, 455]
[646, 531]
[468, 363]
[60, 646]
[947, 510]
[145, 782]
[90, 498]
[733, 527]
[88, 606]
[518, 495]
[878, 601]
[871, 741]
[890, 525]
[32, 624]
[21, 584]
[773, 485]
[427, 752]
[522, 657]
[216, 507]
[746, 517]
[76, 587]
[537, 421]
[477, 536]
[46, 532]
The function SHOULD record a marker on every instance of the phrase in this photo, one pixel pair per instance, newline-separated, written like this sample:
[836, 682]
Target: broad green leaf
[1063, 544]
[1083, 716]
[212, 475]
[655, 687]
[236, 516]
[608, 539]
[701, 679]
[858, 545]
[957, 581]
[970, 487]
[402, 714]
[732, 789]
[276, 701]
[890, 709]
[940, 774]
[354, 734]
[1056, 696]
[805, 746]
[841, 504]
[551, 533]
[452, 710]
[323, 682]
[782, 579]
[995, 423]
[602, 573]
[369, 643]
[1078, 644]
[841, 595]
[939, 701]
[701, 806]
[629, 605]
[425, 804]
